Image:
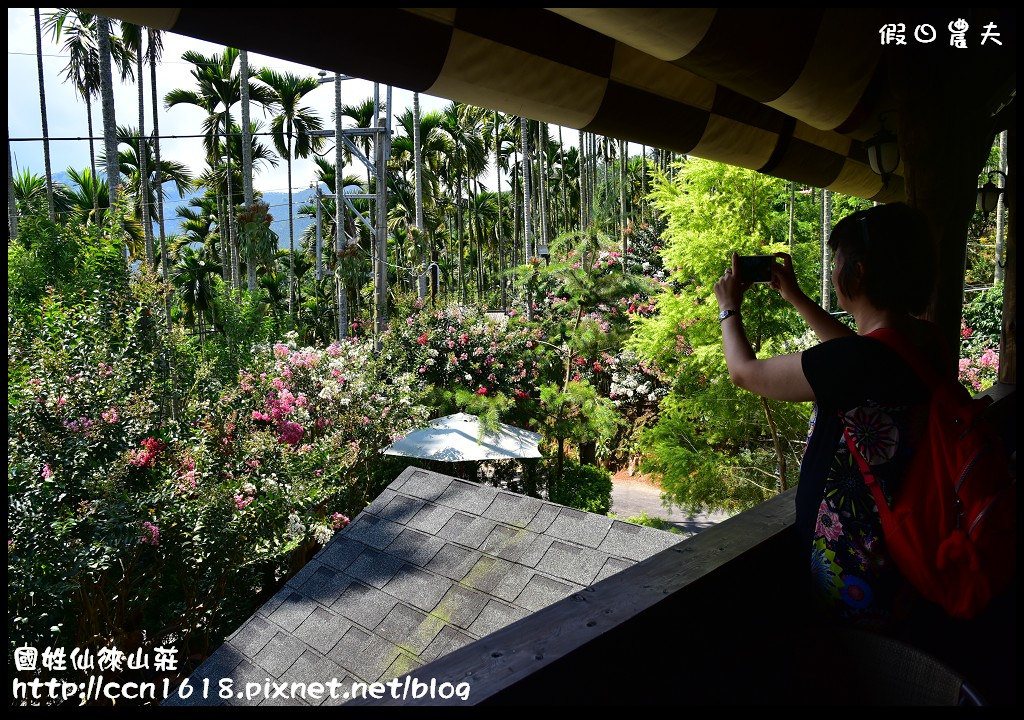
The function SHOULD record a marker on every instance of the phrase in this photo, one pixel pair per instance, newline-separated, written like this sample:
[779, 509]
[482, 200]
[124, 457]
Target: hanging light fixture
[988, 194]
[883, 152]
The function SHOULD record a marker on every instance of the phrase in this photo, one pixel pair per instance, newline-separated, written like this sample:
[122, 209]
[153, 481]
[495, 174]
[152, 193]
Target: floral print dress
[859, 384]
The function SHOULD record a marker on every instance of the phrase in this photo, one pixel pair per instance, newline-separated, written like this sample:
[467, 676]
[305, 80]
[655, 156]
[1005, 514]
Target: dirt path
[639, 493]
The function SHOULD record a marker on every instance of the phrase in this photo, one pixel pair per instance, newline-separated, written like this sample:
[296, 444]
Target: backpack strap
[865, 470]
[911, 354]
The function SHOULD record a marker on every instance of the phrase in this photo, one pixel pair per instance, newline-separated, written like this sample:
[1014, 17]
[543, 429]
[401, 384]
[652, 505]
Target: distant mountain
[278, 202]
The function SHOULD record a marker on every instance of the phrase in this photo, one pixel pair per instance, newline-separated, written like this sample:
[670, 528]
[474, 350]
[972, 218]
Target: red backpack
[951, 528]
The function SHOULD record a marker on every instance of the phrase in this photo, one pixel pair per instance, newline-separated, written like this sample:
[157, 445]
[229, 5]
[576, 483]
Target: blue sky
[66, 112]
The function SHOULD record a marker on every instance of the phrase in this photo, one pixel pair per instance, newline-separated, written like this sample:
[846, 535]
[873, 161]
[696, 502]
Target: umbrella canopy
[453, 438]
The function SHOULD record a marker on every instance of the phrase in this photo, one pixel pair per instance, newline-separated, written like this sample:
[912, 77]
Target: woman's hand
[729, 290]
[784, 279]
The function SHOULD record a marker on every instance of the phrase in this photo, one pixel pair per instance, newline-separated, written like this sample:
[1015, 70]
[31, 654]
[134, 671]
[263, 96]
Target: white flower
[249, 489]
[322, 534]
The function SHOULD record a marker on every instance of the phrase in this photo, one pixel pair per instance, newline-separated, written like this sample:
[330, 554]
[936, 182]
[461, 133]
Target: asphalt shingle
[512, 509]
[290, 614]
[415, 547]
[453, 561]
[410, 628]
[365, 656]
[572, 562]
[375, 568]
[418, 587]
[634, 542]
[460, 605]
[363, 604]
[432, 564]
[426, 486]
[467, 497]
[495, 616]
[541, 591]
[401, 509]
[580, 527]
[373, 531]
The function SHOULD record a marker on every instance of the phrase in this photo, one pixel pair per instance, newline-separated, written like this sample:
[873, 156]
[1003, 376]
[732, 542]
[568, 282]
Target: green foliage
[980, 332]
[712, 442]
[653, 522]
[584, 487]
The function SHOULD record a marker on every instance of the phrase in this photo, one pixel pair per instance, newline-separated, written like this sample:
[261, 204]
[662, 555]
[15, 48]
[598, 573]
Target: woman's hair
[893, 245]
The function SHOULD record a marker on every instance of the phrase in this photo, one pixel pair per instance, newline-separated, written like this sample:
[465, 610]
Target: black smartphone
[756, 268]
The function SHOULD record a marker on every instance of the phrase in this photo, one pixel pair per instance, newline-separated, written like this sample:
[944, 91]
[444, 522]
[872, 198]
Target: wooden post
[1008, 341]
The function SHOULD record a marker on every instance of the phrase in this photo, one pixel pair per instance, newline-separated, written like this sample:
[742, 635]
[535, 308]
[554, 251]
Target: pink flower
[529, 343]
[110, 416]
[46, 472]
[482, 391]
[150, 533]
[281, 351]
[242, 501]
[257, 415]
[338, 521]
[365, 420]
[35, 381]
[828, 523]
[422, 339]
[408, 321]
[290, 433]
[61, 401]
[187, 481]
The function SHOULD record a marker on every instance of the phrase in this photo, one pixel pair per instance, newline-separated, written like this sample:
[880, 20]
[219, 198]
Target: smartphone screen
[756, 268]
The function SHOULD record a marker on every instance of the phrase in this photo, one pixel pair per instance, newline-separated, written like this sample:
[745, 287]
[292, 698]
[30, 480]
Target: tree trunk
[643, 184]
[527, 230]
[292, 309]
[158, 192]
[588, 452]
[458, 236]
[341, 292]
[826, 230]
[1001, 210]
[247, 194]
[564, 225]
[109, 119]
[42, 112]
[12, 206]
[143, 169]
[582, 180]
[1008, 340]
[780, 456]
[499, 236]
[792, 207]
[92, 148]
[622, 200]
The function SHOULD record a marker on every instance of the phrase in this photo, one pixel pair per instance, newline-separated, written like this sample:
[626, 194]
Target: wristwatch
[727, 313]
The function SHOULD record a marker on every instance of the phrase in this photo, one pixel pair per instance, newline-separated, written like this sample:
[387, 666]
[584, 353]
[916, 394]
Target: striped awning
[790, 92]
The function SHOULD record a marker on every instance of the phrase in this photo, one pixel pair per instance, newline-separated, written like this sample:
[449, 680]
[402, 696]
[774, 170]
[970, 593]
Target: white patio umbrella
[453, 438]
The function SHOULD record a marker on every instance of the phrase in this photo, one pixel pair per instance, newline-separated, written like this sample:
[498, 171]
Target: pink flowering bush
[453, 349]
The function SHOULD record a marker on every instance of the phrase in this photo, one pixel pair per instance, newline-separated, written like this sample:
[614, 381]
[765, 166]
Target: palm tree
[107, 95]
[218, 89]
[42, 111]
[28, 194]
[140, 175]
[191, 278]
[291, 132]
[257, 241]
[89, 192]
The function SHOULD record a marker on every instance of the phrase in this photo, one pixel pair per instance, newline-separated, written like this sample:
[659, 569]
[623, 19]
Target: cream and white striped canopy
[790, 92]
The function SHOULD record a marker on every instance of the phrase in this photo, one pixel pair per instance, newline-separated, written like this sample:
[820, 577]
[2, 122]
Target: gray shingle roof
[432, 564]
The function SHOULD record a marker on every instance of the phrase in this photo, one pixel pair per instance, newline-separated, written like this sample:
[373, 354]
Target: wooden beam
[1008, 341]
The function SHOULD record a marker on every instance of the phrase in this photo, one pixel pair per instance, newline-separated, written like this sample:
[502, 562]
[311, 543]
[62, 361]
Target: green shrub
[584, 487]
